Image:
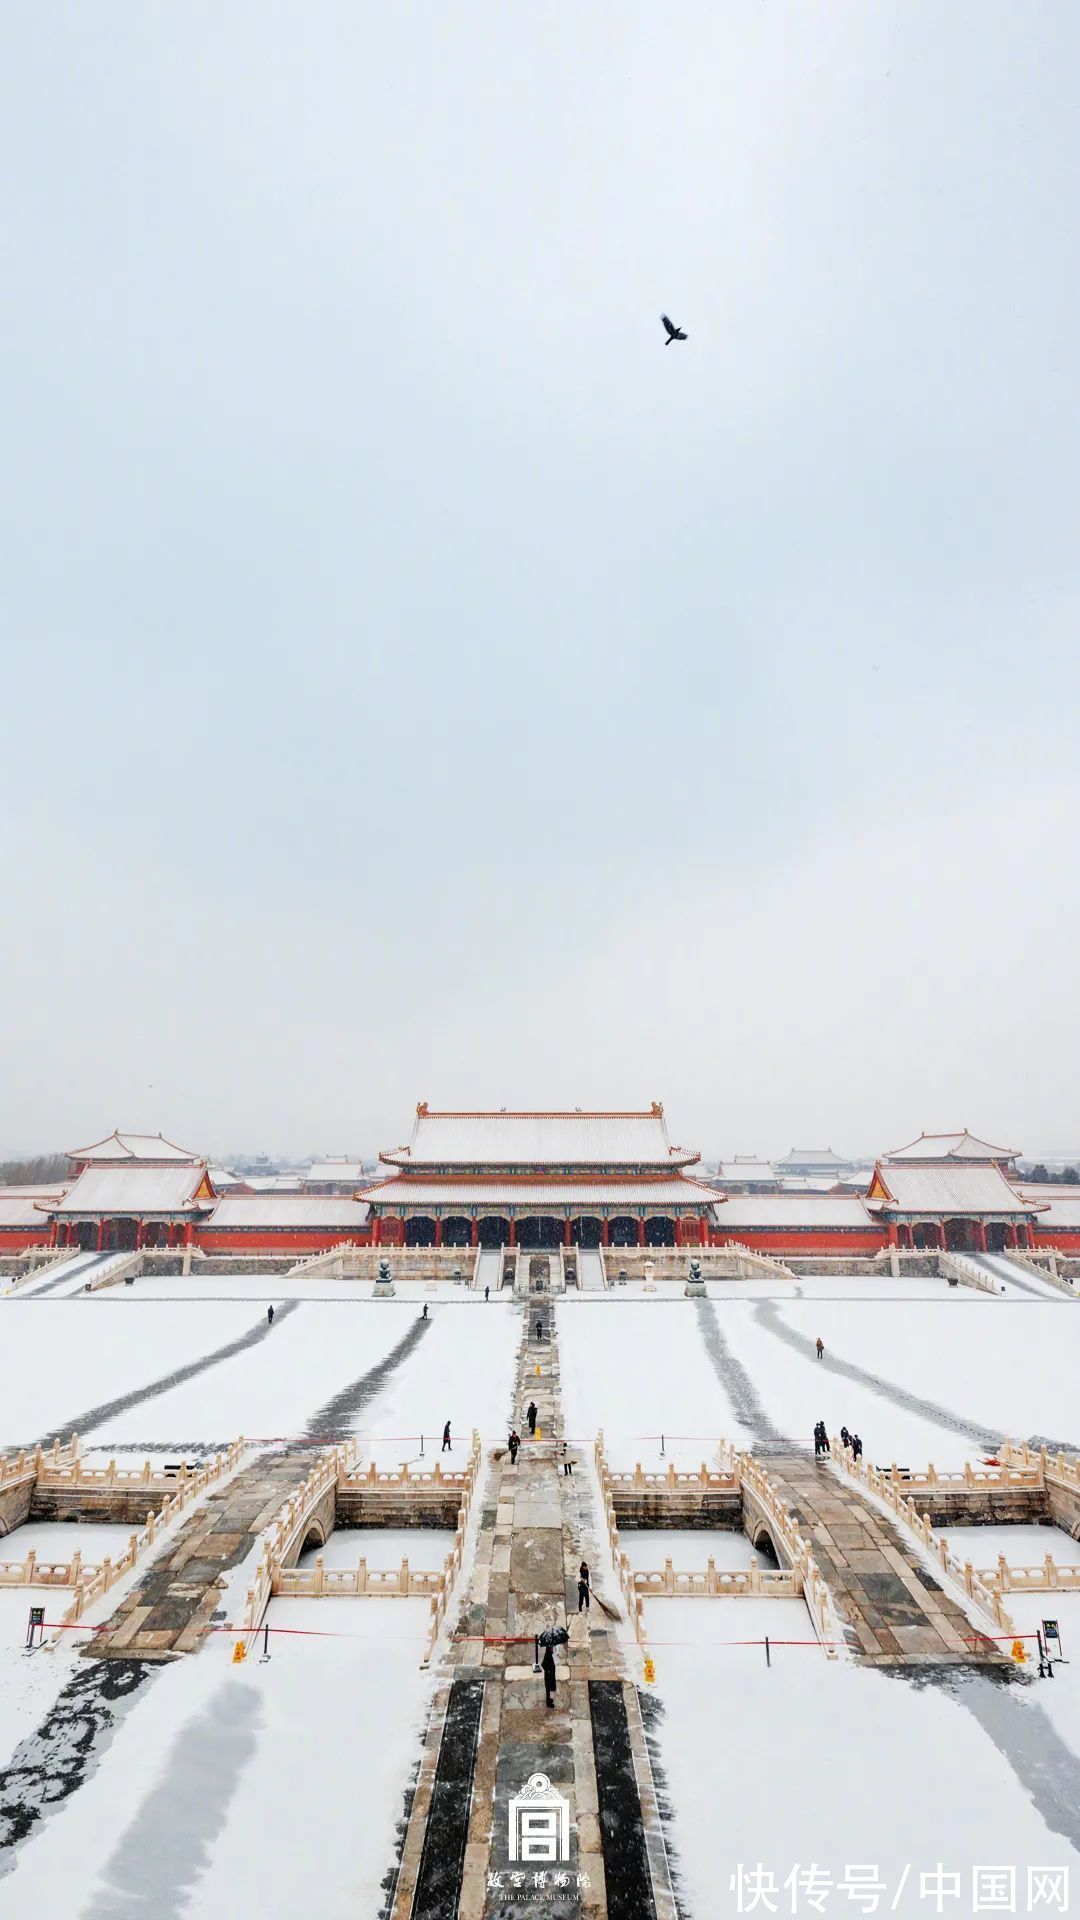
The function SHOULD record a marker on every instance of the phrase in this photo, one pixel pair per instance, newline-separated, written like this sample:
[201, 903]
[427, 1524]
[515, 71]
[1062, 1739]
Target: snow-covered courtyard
[768, 1769]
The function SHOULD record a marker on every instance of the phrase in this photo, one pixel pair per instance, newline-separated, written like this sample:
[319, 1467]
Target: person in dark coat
[487, 1292]
[845, 1437]
[531, 1412]
[583, 1587]
[539, 1329]
[548, 1668]
[821, 1440]
[269, 1316]
[514, 1443]
[820, 1345]
[446, 1438]
[856, 1446]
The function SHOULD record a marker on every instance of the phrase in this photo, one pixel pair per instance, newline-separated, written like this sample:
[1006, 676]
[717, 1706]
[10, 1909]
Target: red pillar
[704, 1230]
[641, 1231]
[139, 1236]
[980, 1235]
[474, 1232]
[566, 1240]
[893, 1240]
[513, 1236]
[100, 1234]
[605, 1232]
[678, 1230]
[1010, 1233]
[438, 1233]
[376, 1231]
[189, 1232]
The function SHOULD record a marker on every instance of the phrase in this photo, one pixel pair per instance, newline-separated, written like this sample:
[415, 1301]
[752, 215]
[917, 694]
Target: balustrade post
[28, 1568]
[1050, 1571]
[403, 1577]
[969, 1579]
[1003, 1573]
[106, 1573]
[320, 1575]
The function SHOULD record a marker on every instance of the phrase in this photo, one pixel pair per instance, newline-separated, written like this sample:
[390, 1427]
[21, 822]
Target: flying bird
[673, 332]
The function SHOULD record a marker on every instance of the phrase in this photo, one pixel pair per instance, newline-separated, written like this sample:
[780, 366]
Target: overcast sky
[422, 683]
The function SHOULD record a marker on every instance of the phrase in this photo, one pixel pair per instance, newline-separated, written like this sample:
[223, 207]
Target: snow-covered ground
[816, 1763]
[634, 1372]
[688, 1549]
[425, 1548]
[215, 1771]
[242, 1793]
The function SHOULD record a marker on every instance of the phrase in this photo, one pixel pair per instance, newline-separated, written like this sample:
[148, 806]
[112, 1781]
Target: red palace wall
[14, 1239]
[1062, 1241]
[299, 1240]
[781, 1241]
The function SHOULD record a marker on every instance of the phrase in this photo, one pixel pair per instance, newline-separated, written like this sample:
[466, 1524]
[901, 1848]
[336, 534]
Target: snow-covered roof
[25, 1207]
[335, 1170]
[813, 1157]
[743, 1211]
[577, 1194]
[964, 1186]
[120, 1147]
[746, 1168]
[139, 1189]
[930, 1147]
[287, 1210]
[1060, 1208]
[572, 1137]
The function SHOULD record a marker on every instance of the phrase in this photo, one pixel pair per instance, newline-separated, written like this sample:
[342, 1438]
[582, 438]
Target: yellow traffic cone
[239, 1654]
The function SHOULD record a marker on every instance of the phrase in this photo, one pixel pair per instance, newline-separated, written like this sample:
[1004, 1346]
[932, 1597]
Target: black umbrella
[549, 1637]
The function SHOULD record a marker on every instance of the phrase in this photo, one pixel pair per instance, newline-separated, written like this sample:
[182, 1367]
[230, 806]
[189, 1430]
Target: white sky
[423, 684]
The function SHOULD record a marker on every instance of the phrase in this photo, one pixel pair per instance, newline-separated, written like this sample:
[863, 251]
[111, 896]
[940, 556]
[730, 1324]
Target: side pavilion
[541, 1179]
[133, 1190]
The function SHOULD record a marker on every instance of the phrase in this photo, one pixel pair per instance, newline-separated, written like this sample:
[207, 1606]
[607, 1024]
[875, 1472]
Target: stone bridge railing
[756, 1582]
[97, 1580]
[759, 1493]
[895, 1493]
[320, 1581]
[313, 1504]
[753, 1581]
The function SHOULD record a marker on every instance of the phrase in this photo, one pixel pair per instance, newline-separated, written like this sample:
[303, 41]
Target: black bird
[673, 332]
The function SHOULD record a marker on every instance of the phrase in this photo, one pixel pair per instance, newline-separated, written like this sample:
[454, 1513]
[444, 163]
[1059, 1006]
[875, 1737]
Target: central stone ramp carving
[169, 1611]
[894, 1611]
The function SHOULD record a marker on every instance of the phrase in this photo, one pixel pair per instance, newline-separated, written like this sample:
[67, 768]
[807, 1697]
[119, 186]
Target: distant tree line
[1063, 1177]
[46, 1170]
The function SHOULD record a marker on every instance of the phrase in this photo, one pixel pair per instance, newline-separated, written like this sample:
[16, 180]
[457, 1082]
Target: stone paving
[537, 1523]
[894, 1611]
[169, 1611]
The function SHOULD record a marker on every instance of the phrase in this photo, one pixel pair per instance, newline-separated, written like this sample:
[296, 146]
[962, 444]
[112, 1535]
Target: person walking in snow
[446, 1443]
[539, 1329]
[514, 1443]
[856, 1446]
[567, 1463]
[487, 1293]
[583, 1587]
[270, 1316]
[820, 1344]
[531, 1412]
[548, 1668]
[845, 1437]
[423, 1316]
[821, 1440]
